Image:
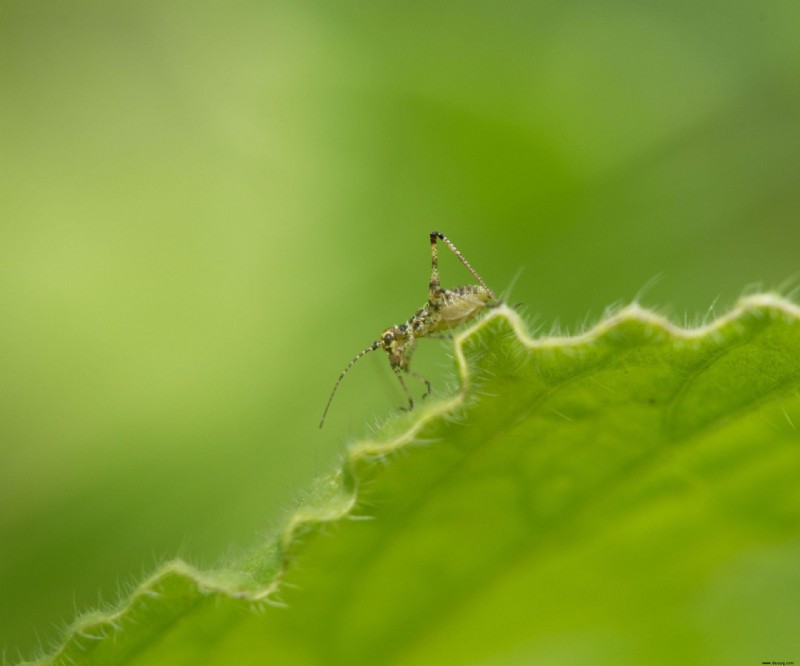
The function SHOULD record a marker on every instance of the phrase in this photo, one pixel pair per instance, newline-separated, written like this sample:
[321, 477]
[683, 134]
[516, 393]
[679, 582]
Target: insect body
[445, 309]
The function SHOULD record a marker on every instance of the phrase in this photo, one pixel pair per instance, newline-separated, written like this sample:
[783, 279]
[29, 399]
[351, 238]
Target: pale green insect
[445, 309]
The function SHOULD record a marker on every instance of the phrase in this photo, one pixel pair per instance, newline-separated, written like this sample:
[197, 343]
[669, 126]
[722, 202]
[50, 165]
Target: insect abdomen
[460, 305]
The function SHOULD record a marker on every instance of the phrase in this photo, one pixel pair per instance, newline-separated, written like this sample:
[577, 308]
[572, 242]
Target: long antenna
[375, 345]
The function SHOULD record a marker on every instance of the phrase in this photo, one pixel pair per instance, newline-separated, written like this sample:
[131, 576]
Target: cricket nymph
[445, 309]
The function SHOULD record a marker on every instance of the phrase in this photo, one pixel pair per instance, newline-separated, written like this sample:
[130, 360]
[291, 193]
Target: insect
[445, 309]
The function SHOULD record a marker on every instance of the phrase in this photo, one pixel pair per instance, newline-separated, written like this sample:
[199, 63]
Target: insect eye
[388, 337]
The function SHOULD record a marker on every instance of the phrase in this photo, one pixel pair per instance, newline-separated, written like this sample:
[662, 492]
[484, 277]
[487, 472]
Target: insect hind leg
[435, 286]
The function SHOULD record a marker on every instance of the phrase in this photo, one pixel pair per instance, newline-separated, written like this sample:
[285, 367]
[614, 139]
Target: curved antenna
[378, 344]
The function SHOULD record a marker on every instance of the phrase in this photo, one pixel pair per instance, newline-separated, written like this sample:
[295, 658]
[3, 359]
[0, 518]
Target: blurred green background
[208, 208]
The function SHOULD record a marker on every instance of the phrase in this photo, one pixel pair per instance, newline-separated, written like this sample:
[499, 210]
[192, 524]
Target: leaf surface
[630, 495]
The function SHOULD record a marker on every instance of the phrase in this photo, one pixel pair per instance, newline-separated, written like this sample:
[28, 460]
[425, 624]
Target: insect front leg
[407, 353]
[400, 359]
[398, 370]
[422, 379]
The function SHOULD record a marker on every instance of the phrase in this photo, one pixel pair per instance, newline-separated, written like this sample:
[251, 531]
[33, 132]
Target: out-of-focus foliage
[208, 208]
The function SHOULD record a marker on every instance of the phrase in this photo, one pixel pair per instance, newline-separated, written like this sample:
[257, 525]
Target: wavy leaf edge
[257, 581]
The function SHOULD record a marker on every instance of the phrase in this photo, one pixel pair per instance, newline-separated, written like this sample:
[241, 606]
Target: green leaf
[627, 496]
